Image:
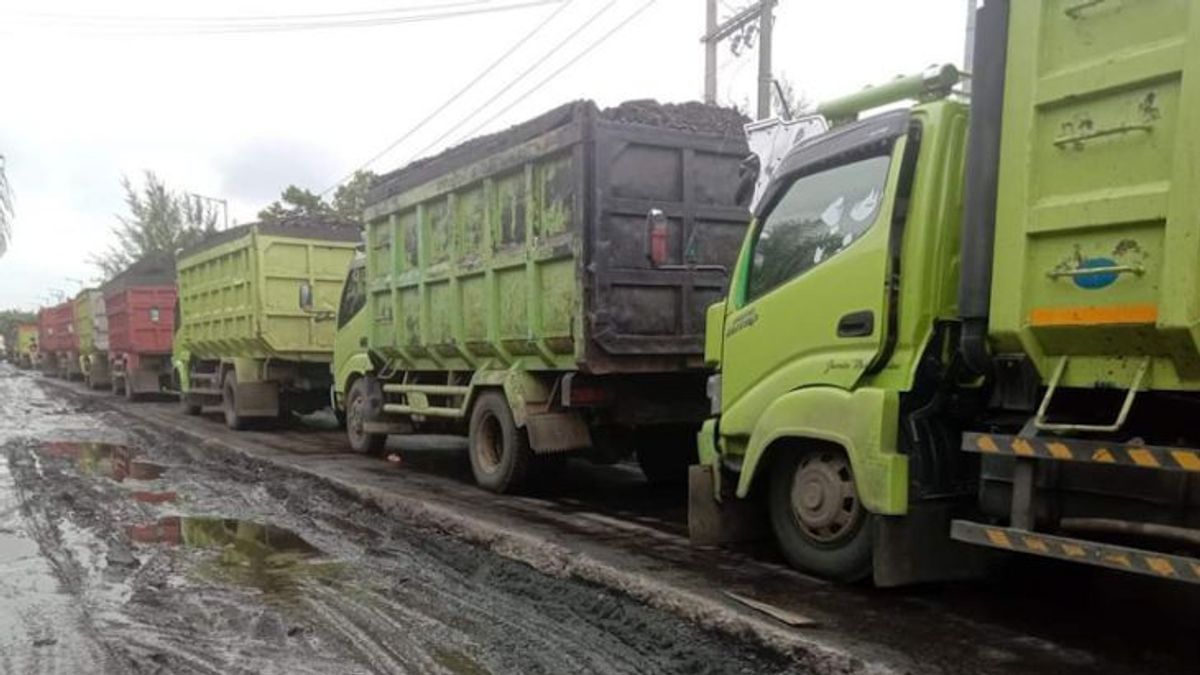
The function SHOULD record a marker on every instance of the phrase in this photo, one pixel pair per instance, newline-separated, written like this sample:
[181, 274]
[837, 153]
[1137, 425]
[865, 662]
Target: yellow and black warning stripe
[1151, 563]
[1075, 450]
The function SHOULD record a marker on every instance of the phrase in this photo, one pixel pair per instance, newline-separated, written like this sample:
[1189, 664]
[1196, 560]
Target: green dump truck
[241, 345]
[26, 355]
[949, 328]
[544, 290]
[91, 325]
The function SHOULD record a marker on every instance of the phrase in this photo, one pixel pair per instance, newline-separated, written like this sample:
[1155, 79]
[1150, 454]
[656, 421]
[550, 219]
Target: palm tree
[6, 210]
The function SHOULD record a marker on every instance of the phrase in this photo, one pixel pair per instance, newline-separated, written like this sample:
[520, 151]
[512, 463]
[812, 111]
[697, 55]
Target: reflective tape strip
[1149, 563]
[1135, 314]
[1074, 450]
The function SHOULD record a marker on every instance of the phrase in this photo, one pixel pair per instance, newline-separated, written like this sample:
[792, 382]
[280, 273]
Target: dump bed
[238, 291]
[1099, 212]
[27, 337]
[91, 322]
[141, 319]
[56, 328]
[140, 306]
[533, 245]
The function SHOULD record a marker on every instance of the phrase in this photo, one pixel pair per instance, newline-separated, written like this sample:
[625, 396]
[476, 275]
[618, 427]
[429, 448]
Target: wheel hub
[489, 446]
[824, 501]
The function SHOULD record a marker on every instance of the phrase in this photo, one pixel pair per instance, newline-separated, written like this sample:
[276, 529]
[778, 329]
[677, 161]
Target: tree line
[160, 219]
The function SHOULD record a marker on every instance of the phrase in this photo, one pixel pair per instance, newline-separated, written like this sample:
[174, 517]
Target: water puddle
[272, 559]
[457, 662]
[119, 462]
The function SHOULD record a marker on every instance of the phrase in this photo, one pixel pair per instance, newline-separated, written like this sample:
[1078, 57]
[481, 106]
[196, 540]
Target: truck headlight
[713, 389]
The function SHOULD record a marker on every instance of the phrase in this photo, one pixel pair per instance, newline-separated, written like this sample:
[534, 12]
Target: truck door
[810, 303]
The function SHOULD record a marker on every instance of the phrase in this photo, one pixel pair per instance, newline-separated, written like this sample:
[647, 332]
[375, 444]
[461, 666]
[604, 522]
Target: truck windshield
[818, 217]
[354, 295]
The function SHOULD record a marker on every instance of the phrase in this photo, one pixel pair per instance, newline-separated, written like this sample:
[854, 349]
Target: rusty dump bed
[531, 246]
[140, 306]
[56, 328]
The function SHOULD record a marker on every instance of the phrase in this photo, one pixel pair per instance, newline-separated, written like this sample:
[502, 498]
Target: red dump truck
[57, 340]
[140, 304]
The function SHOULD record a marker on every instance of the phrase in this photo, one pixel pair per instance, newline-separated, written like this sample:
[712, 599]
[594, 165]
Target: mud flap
[142, 381]
[257, 399]
[712, 522]
[917, 548]
[557, 432]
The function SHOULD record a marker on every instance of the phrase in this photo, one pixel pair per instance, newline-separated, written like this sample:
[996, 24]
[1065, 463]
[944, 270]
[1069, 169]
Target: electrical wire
[512, 83]
[291, 26]
[454, 97]
[116, 18]
[560, 70]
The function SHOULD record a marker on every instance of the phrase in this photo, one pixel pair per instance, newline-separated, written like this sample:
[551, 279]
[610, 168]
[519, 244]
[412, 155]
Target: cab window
[819, 216]
[354, 295]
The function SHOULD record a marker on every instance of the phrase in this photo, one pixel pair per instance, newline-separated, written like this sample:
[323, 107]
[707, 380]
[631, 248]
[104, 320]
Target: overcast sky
[240, 116]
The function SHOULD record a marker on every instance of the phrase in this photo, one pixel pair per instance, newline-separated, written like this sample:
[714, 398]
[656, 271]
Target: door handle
[856, 324]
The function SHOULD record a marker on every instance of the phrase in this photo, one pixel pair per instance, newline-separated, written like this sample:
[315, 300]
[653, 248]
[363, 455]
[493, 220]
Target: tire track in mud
[375, 596]
[49, 630]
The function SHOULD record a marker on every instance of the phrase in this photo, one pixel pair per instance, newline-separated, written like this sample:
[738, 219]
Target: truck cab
[844, 288]
[945, 331]
[350, 360]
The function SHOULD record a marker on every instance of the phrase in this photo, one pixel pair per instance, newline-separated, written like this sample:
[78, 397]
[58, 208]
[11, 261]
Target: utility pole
[710, 54]
[765, 79]
[760, 12]
[224, 205]
[969, 51]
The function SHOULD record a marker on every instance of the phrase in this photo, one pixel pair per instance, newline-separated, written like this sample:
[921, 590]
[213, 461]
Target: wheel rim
[825, 504]
[489, 443]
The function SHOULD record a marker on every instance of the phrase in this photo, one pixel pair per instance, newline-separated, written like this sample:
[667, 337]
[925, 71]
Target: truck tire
[131, 395]
[819, 521]
[499, 450]
[228, 403]
[665, 452]
[356, 413]
[186, 405]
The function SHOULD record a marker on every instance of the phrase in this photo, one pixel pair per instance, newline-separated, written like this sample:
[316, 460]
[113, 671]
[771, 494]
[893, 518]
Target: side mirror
[306, 296]
[748, 172]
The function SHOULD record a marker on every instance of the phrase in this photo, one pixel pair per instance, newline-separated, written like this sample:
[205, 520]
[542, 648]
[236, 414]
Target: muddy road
[124, 550]
[280, 551]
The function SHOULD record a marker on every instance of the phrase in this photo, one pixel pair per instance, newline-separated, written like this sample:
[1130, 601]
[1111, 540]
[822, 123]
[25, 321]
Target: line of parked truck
[894, 341]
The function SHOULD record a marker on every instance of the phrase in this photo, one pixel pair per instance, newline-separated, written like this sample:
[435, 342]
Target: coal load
[691, 116]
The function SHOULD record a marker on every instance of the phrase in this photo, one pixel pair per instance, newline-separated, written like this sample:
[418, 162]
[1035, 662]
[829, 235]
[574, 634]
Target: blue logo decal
[1098, 280]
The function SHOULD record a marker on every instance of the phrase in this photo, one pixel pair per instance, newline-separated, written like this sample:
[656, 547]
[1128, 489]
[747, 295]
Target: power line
[560, 70]
[453, 98]
[102, 18]
[288, 26]
[512, 83]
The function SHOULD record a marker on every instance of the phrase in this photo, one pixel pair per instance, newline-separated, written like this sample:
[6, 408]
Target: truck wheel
[500, 454]
[186, 404]
[130, 394]
[228, 403]
[356, 415]
[818, 519]
[115, 386]
[665, 453]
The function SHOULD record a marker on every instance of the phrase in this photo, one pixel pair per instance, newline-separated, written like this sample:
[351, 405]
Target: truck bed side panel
[239, 294]
[1098, 166]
